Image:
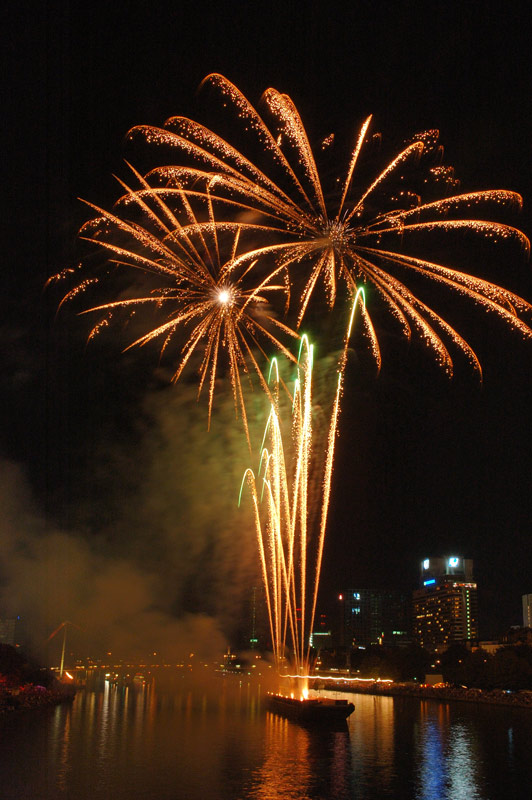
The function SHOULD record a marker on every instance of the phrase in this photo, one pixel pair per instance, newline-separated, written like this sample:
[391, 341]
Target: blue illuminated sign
[428, 583]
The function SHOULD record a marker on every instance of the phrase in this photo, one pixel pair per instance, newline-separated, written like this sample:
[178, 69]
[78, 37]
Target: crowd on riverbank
[441, 692]
[25, 684]
[30, 696]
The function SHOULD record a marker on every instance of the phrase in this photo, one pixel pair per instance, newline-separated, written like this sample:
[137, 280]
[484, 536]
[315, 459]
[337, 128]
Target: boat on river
[325, 710]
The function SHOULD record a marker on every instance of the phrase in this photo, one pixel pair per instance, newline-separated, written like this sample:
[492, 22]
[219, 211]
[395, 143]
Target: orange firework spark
[364, 235]
[209, 301]
[290, 551]
[282, 531]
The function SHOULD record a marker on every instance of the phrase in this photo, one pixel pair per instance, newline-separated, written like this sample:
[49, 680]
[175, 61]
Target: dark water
[185, 743]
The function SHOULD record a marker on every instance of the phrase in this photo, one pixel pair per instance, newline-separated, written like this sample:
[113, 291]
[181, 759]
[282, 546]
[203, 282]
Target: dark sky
[424, 466]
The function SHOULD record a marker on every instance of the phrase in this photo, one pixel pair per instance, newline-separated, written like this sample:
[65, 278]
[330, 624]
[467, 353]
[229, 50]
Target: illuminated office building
[370, 617]
[527, 611]
[445, 609]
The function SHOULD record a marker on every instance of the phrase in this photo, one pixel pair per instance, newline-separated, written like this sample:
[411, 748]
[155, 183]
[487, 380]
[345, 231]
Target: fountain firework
[290, 551]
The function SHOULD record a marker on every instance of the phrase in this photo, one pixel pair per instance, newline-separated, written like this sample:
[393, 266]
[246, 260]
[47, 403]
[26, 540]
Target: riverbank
[30, 696]
[442, 693]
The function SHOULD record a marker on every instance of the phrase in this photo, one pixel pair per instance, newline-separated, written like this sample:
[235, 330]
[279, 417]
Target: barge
[313, 709]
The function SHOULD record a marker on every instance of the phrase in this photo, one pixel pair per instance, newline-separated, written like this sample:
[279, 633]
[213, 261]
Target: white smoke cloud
[49, 576]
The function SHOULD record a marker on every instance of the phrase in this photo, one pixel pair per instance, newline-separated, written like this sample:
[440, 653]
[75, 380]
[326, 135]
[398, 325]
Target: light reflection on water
[219, 742]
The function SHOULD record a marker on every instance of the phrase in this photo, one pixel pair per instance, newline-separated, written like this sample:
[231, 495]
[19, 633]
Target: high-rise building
[370, 617]
[321, 635]
[7, 631]
[253, 640]
[527, 611]
[445, 608]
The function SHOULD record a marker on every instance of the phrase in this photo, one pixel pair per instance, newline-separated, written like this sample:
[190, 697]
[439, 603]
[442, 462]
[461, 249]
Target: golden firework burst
[366, 234]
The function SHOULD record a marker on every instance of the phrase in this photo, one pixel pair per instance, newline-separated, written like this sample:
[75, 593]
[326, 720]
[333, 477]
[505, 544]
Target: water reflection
[64, 763]
[291, 754]
[463, 764]
[184, 742]
[285, 768]
[372, 734]
[448, 756]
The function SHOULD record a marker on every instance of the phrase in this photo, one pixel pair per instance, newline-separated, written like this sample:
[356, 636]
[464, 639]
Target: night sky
[424, 466]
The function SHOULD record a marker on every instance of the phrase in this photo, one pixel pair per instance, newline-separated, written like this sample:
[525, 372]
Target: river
[218, 742]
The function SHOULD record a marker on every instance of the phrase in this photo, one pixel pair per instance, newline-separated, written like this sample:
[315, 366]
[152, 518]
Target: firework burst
[212, 307]
[366, 235]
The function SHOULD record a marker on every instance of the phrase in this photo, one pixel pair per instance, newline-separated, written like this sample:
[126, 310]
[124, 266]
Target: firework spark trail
[282, 528]
[283, 532]
[328, 243]
[329, 460]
